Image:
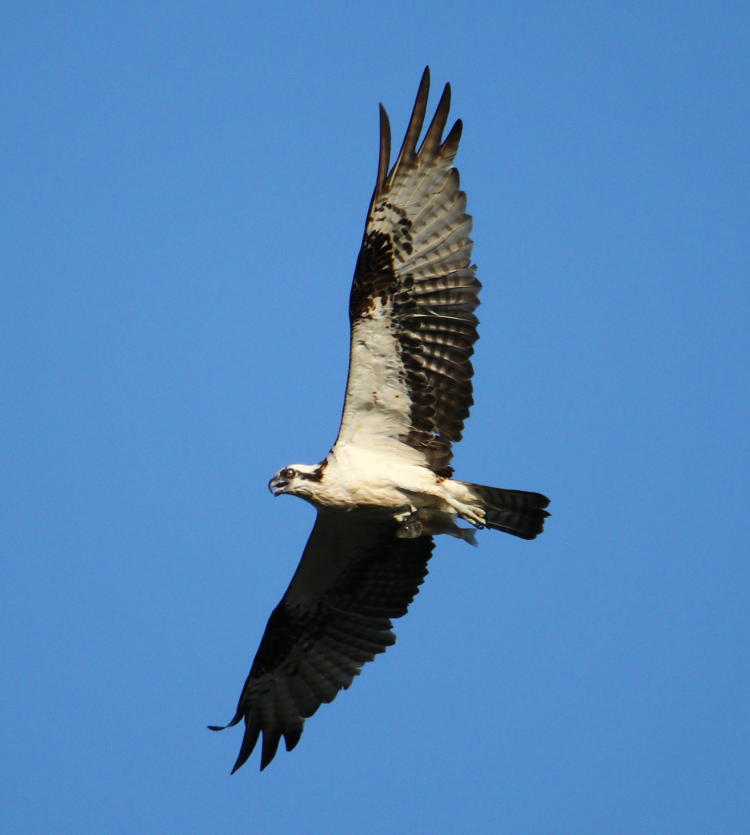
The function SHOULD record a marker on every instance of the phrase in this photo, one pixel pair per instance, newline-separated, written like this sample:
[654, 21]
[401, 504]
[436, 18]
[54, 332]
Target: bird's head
[297, 479]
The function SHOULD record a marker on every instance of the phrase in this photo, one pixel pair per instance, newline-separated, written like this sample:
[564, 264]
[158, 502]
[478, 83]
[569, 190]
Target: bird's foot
[473, 515]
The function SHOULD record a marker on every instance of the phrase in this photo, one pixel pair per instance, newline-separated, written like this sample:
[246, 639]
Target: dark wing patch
[354, 576]
[414, 272]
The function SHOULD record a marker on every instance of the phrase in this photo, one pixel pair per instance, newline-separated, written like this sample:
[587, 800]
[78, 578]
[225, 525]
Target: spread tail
[514, 511]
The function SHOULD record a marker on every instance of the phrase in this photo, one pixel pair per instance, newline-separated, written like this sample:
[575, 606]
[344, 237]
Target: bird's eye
[289, 473]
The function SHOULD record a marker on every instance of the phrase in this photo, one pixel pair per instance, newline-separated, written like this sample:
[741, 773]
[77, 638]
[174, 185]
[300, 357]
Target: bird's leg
[409, 525]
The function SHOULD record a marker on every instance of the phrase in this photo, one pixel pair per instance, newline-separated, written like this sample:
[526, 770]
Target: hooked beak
[277, 485]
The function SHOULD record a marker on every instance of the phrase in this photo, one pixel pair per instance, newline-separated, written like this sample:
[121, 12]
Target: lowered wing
[354, 576]
[412, 299]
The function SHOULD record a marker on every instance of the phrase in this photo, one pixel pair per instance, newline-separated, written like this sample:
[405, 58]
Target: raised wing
[413, 297]
[354, 576]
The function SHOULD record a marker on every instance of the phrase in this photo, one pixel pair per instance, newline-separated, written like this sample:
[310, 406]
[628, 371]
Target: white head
[297, 479]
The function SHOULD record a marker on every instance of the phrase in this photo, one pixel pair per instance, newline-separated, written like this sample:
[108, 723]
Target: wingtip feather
[249, 740]
[434, 133]
[454, 137]
[271, 738]
[416, 120]
[384, 156]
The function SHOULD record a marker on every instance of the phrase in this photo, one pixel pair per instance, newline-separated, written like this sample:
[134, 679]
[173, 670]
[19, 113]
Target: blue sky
[185, 186]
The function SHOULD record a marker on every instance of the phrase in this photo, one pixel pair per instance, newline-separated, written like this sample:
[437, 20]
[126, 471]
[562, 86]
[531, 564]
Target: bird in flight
[386, 488]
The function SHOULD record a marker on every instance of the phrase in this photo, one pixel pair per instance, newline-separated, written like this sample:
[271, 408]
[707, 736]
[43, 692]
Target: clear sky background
[184, 188]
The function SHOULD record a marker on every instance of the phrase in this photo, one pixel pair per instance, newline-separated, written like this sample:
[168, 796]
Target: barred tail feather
[517, 512]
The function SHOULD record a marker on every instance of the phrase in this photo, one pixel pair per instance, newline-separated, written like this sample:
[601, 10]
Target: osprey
[386, 487]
